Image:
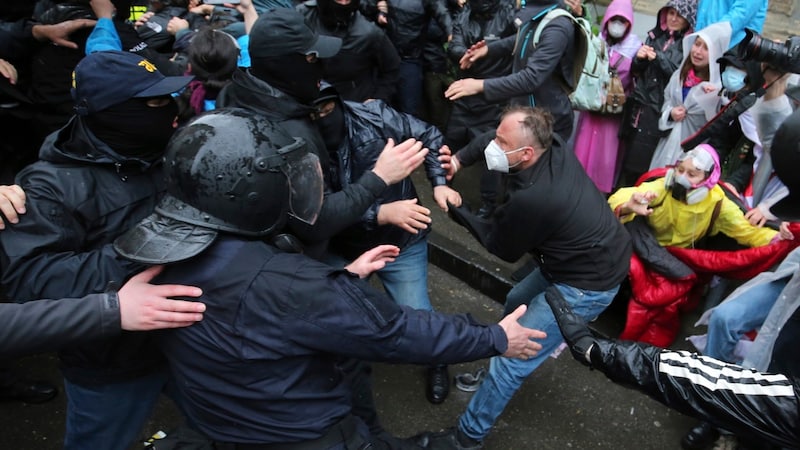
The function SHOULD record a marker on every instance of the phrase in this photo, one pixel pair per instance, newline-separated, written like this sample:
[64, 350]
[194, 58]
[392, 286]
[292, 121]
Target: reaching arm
[45, 325]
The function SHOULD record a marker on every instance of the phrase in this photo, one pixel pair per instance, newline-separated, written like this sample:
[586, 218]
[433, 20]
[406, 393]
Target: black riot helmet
[231, 171]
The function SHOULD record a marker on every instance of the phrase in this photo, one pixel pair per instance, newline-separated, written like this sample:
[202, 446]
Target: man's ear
[529, 154]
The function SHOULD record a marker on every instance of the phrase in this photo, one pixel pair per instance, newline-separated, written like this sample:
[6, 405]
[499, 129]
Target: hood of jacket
[716, 37]
[248, 92]
[618, 8]
[630, 43]
[686, 8]
[75, 143]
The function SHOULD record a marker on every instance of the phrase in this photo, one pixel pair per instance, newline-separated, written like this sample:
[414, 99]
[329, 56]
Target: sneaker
[449, 439]
[469, 382]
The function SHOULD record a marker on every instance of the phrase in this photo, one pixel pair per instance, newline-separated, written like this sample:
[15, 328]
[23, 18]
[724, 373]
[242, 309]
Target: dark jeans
[409, 88]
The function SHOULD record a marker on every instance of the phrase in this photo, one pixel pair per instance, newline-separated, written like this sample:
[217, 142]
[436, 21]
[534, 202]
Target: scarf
[692, 79]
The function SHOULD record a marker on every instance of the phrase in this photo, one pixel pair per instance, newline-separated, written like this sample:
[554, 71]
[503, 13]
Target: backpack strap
[714, 216]
[551, 14]
[525, 27]
[581, 27]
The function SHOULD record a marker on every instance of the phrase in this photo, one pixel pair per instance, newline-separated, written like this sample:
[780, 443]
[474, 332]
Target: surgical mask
[733, 79]
[496, 158]
[616, 28]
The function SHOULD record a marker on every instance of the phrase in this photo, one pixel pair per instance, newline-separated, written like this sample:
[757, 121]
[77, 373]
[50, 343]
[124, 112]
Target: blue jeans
[405, 279]
[731, 319]
[507, 374]
[110, 416]
[408, 98]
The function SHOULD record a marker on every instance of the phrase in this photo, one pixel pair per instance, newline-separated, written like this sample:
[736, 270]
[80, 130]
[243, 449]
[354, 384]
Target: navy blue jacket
[261, 367]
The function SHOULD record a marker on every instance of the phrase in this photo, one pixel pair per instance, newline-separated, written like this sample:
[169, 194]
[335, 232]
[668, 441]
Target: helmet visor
[306, 187]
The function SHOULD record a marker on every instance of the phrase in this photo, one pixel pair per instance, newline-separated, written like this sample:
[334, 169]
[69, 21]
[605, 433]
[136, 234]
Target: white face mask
[616, 28]
[496, 158]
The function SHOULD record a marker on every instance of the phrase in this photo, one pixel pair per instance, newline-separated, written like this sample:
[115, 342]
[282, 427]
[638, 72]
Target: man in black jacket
[44, 325]
[471, 116]
[281, 85]
[541, 76]
[355, 133]
[554, 211]
[97, 176]
[367, 66]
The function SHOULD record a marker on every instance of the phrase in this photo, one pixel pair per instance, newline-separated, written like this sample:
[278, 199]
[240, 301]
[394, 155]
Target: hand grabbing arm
[445, 194]
[519, 338]
[449, 162]
[12, 203]
[144, 306]
[406, 214]
[397, 161]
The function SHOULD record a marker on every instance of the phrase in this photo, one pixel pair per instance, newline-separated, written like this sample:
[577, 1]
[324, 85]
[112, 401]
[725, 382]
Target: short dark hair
[537, 123]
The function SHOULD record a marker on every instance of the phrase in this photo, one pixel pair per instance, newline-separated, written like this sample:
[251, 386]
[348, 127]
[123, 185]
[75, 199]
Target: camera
[784, 57]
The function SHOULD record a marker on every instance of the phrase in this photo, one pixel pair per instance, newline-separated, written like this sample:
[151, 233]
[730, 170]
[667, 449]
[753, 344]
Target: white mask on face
[496, 158]
[616, 28]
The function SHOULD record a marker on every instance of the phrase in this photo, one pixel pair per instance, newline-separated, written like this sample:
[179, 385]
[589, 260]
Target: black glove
[575, 331]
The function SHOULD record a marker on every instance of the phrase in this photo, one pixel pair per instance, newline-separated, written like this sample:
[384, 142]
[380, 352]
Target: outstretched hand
[464, 88]
[58, 33]
[519, 338]
[476, 51]
[397, 161]
[144, 306]
[373, 259]
[639, 203]
[406, 214]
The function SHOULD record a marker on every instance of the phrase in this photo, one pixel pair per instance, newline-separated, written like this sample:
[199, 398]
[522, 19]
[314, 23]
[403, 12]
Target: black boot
[438, 384]
[700, 437]
[575, 331]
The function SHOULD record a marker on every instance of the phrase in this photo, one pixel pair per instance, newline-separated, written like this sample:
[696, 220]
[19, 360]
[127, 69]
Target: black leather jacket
[81, 195]
[339, 209]
[369, 125]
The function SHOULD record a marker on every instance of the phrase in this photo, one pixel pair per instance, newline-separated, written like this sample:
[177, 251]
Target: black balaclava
[292, 74]
[134, 129]
[332, 128]
[335, 15]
